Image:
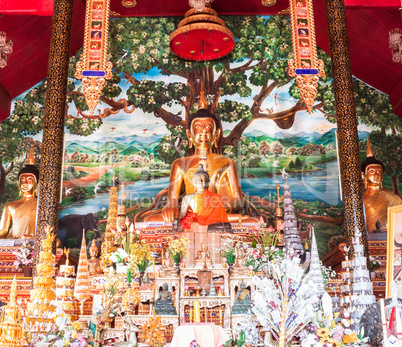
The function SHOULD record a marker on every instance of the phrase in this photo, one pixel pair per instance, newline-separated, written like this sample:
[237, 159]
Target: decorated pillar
[347, 123]
[53, 128]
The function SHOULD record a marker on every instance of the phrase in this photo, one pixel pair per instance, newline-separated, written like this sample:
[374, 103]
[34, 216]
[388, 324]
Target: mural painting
[139, 127]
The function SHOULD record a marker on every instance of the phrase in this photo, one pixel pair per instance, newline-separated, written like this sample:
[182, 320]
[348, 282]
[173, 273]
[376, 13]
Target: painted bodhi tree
[139, 45]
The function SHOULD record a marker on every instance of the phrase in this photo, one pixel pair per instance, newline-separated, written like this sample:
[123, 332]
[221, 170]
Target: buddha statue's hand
[170, 213]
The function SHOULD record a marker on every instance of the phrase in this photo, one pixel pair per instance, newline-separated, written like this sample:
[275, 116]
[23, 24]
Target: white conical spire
[315, 268]
[292, 239]
[362, 285]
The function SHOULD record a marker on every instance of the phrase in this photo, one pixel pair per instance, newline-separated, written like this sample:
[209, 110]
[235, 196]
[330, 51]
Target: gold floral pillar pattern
[53, 128]
[94, 69]
[349, 157]
[305, 65]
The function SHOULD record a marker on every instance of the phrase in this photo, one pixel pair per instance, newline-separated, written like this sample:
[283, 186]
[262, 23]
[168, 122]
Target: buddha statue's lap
[224, 181]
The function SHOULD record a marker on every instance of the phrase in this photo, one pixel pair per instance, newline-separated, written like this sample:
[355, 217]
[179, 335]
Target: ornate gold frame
[394, 213]
[94, 68]
[305, 65]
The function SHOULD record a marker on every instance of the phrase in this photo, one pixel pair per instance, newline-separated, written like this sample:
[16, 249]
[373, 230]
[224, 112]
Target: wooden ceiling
[28, 24]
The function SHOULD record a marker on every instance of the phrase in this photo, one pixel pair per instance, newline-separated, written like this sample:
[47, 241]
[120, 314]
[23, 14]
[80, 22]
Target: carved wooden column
[53, 129]
[347, 123]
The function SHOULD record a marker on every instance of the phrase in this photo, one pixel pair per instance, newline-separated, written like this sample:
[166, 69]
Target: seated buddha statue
[203, 133]
[94, 263]
[19, 217]
[376, 198]
[164, 305]
[203, 256]
[203, 206]
[243, 303]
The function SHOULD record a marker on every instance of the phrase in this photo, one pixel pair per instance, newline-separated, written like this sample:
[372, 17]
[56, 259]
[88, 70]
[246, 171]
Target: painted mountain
[127, 145]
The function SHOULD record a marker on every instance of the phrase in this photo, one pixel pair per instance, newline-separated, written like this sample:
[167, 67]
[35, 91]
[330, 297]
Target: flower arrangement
[327, 273]
[227, 251]
[153, 332]
[24, 255]
[60, 334]
[178, 249]
[247, 334]
[323, 332]
[140, 257]
[253, 258]
[374, 263]
[127, 238]
[119, 256]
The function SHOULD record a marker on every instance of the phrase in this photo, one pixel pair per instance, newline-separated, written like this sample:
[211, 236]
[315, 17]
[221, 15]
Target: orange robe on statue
[209, 210]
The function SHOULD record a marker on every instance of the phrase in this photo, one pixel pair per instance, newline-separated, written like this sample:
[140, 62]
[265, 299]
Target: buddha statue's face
[374, 175]
[200, 182]
[27, 184]
[203, 132]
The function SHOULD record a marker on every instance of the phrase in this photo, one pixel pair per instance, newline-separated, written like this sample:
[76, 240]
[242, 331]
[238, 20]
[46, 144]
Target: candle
[197, 311]
[220, 315]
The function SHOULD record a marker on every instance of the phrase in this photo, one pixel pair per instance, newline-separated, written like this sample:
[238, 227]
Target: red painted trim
[361, 4]
[27, 7]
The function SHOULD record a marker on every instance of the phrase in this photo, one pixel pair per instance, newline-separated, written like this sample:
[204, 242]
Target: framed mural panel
[394, 250]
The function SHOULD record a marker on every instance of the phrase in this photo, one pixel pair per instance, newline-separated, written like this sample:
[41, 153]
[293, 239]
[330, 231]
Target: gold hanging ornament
[94, 68]
[305, 65]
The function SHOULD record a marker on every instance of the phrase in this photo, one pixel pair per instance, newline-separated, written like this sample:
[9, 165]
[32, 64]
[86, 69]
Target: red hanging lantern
[201, 36]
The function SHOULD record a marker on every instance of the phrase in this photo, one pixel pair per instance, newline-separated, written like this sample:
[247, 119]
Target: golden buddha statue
[203, 133]
[376, 198]
[203, 256]
[19, 217]
[94, 263]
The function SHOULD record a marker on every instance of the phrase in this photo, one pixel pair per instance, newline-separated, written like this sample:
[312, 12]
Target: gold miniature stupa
[106, 248]
[82, 285]
[42, 305]
[11, 331]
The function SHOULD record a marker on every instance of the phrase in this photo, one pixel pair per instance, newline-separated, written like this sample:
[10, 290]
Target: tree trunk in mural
[3, 174]
[395, 185]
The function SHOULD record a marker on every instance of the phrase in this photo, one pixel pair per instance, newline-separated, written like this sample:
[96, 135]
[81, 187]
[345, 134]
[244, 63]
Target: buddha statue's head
[28, 178]
[203, 129]
[93, 250]
[372, 170]
[201, 179]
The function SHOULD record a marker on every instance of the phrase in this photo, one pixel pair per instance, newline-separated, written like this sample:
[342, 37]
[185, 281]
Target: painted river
[319, 185]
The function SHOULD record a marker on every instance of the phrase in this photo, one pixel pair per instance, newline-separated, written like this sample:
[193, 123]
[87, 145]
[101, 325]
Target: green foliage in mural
[140, 46]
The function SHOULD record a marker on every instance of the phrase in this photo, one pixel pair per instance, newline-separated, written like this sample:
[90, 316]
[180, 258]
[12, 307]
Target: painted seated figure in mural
[19, 217]
[376, 198]
[203, 133]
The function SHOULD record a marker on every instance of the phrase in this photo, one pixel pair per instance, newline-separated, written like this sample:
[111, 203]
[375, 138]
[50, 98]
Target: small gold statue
[167, 268]
[19, 217]
[94, 263]
[203, 257]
